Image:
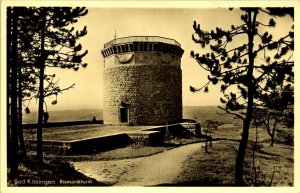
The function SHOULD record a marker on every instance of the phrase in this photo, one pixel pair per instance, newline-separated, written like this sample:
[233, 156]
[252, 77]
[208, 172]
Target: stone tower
[142, 81]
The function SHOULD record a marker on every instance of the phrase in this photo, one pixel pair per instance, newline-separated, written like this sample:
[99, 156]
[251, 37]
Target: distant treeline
[199, 113]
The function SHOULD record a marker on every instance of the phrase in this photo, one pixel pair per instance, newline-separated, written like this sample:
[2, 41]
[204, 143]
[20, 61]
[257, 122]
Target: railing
[141, 39]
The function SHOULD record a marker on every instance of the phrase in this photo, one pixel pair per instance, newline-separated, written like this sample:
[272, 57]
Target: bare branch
[59, 91]
[229, 112]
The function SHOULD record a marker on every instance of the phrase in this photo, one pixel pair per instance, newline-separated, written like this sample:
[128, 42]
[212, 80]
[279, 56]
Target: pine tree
[56, 47]
[12, 19]
[277, 108]
[38, 37]
[234, 62]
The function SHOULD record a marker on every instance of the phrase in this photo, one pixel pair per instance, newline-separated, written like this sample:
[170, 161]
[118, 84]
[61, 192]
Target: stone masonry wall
[149, 84]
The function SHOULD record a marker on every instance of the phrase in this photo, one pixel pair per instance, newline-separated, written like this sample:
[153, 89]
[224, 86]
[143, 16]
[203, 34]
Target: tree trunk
[9, 31]
[272, 137]
[246, 123]
[39, 149]
[20, 131]
[273, 133]
[272, 140]
[206, 141]
[14, 101]
[167, 135]
[239, 162]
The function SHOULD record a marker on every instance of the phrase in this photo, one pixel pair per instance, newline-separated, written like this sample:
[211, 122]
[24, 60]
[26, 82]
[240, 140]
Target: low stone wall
[100, 144]
[151, 138]
[178, 130]
[84, 146]
[56, 147]
[61, 124]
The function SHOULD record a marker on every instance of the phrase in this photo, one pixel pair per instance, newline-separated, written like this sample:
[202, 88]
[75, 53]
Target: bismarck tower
[142, 81]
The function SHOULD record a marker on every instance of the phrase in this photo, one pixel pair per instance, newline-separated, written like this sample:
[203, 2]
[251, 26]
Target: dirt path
[157, 169]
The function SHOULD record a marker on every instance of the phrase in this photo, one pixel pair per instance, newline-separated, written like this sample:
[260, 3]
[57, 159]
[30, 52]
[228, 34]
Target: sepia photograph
[147, 96]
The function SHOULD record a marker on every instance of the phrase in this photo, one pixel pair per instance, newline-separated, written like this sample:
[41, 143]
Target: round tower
[142, 81]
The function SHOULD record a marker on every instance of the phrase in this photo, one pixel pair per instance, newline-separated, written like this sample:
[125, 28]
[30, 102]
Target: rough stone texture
[147, 137]
[194, 128]
[147, 83]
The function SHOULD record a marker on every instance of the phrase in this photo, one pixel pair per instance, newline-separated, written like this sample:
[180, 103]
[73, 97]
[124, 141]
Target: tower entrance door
[123, 114]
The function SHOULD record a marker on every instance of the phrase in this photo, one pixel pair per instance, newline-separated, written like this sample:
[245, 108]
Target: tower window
[123, 114]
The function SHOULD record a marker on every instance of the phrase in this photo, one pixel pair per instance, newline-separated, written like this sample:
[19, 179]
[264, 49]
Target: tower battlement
[142, 43]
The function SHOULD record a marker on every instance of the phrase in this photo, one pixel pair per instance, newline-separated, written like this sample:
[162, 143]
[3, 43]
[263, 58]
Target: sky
[175, 23]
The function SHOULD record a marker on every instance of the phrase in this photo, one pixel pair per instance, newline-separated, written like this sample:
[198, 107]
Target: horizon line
[102, 108]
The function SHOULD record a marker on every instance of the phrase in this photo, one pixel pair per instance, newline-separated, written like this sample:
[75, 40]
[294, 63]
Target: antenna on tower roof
[115, 33]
